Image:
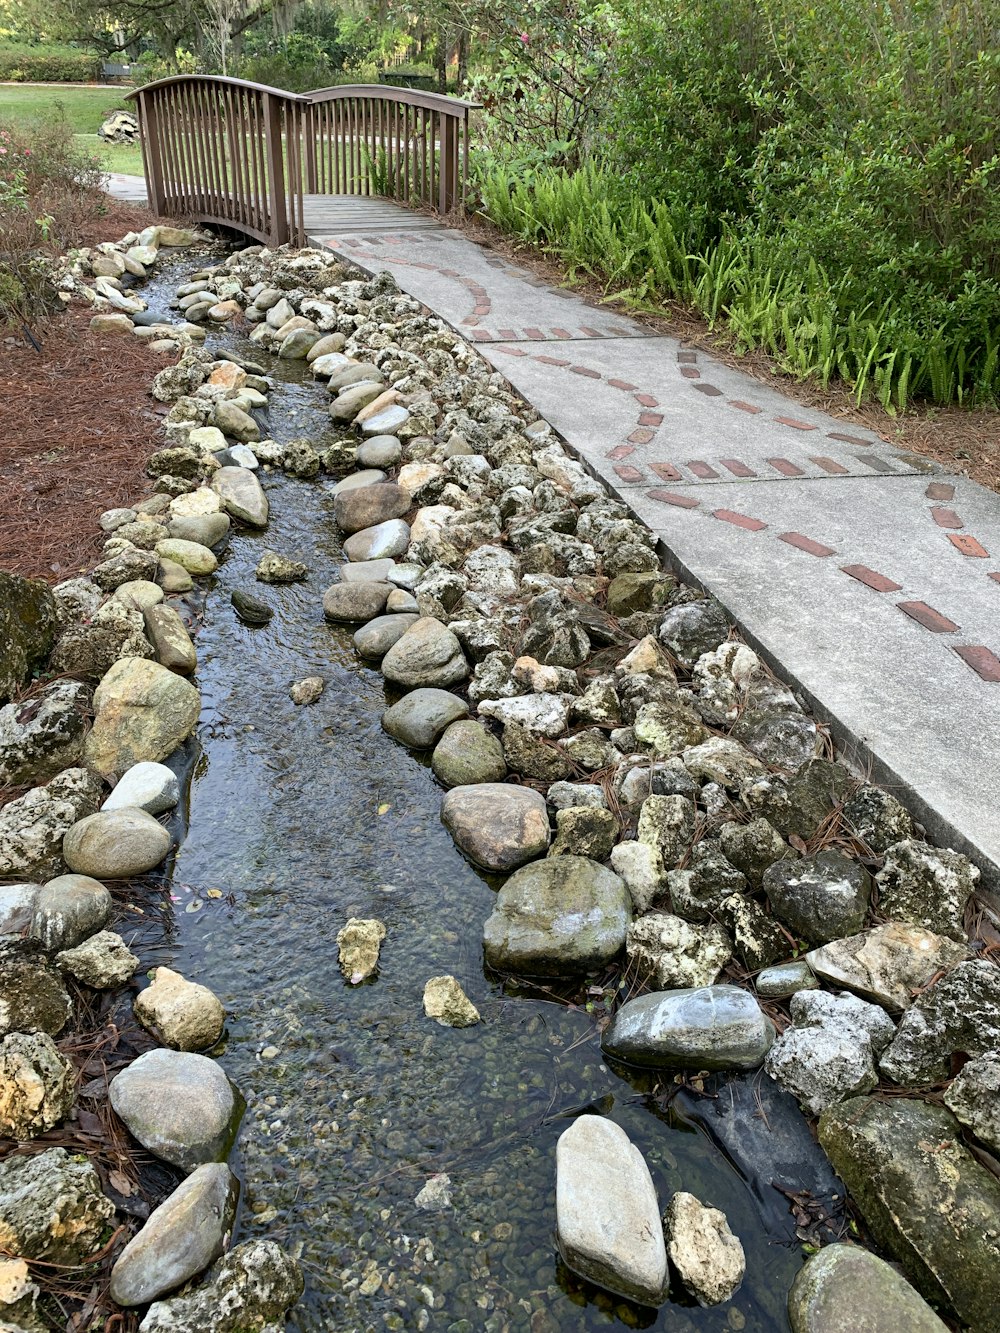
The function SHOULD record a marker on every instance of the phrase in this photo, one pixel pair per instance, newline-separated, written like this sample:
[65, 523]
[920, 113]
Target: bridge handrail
[246, 154]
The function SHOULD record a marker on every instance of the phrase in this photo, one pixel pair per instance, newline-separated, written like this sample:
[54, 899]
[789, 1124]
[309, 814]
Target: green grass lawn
[84, 109]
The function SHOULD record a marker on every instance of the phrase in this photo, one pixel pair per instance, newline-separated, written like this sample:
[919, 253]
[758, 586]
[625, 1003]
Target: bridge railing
[244, 155]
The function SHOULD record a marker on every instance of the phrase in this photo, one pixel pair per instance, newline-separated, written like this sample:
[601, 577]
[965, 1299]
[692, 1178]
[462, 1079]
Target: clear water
[301, 817]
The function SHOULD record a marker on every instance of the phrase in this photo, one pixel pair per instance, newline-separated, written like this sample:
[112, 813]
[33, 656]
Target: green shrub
[27, 64]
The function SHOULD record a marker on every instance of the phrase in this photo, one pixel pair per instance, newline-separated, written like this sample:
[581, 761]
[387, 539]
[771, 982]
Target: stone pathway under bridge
[871, 576]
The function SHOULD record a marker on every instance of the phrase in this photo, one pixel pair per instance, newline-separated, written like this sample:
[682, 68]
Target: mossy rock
[27, 629]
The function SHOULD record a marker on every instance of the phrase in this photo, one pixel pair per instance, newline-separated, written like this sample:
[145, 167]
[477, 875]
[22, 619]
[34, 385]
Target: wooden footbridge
[257, 159]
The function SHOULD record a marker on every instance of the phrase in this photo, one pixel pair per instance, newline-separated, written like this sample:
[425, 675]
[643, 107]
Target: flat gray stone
[845, 1289]
[180, 1106]
[241, 495]
[145, 786]
[180, 1239]
[785, 979]
[367, 571]
[368, 506]
[562, 916]
[889, 964]
[713, 1027]
[383, 542]
[359, 480]
[420, 717]
[496, 825]
[607, 1214]
[205, 529]
[387, 422]
[381, 451]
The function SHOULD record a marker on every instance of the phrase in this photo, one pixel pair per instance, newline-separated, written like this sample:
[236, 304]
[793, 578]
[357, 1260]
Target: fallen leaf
[213, 893]
[384, 808]
[121, 1183]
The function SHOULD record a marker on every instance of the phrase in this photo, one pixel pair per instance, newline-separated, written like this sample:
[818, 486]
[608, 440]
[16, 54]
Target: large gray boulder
[960, 1015]
[832, 1050]
[366, 506]
[37, 1088]
[559, 917]
[27, 629]
[607, 1215]
[180, 1106]
[498, 826]
[116, 844]
[821, 897]
[144, 712]
[40, 738]
[242, 495]
[52, 1207]
[427, 654]
[32, 827]
[845, 1289]
[251, 1288]
[180, 1239]
[925, 1198]
[713, 1027]
[420, 717]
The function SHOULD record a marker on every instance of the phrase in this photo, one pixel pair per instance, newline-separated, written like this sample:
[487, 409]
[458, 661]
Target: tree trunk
[463, 59]
[441, 59]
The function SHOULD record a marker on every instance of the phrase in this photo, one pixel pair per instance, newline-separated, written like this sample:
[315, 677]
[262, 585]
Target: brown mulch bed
[964, 440]
[76, 428]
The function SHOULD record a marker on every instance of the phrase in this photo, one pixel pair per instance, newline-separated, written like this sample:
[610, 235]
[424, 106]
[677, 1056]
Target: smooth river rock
[421, 716]
[607, 1215]
[146, 786]
[181, 1237]
[375, 639]
[427, 654]
[180, 1106]
[713, 1027]
[845, 1289]
[190, 555]
[116, 844]
[143, 712]
[242, 495]
[926, 1199]
[558, 917]
[468, 754]
[352, 602]
[498, 826]
[383, 542]
[67, 910]
[366, 506]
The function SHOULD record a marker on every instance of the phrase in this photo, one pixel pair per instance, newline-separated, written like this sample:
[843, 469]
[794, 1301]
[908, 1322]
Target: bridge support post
[276, 193]
[152, 162]
[448, 168]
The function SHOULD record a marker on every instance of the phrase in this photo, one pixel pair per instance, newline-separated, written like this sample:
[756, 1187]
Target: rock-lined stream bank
[409, 1164]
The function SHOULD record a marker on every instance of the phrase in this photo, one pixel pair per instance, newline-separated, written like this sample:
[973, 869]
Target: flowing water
[301, 817]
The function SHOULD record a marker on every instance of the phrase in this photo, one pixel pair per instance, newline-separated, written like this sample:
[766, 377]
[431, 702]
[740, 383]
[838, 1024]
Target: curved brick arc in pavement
[861, 573]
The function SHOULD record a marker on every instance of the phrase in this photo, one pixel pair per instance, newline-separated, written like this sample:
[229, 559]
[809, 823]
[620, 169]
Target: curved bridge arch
[244, 155]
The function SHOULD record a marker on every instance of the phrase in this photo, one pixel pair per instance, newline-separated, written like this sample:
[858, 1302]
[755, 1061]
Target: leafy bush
[827, 179]
[28, 64]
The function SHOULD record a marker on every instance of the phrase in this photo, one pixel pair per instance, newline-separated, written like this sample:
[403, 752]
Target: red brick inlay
[946, 518]
[691, 372]
[628, 473]
[995, 576]
[983, 662]
[511, 351]
[536, 335]
[926, 615]
[672, 498]
[585, 370]
[703, 470]
[741, 406]
[739, 520]
[687, 357]
[622, 451]
[552, 361]
[875, 463]
[666, 472]
[508, 335]
[967, 545]
[562, 333]
[785, 466]
[871, 578]
[709, 389]
[805, 544]
[642, 436]
[795, 423]
[591, 333]
[834, 468]
[737, 468]
[650, 418]
[647, 400]
[622, 384]
[940, 490]
[482, 335]
[470, 319]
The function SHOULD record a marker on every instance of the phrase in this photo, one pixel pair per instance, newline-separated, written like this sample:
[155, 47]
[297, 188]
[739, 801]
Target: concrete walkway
[868, 577]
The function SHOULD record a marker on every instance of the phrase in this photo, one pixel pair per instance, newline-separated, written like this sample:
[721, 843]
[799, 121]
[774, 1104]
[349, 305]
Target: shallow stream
[301, 817]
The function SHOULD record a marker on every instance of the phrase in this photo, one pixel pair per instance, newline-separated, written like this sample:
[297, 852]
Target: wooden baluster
[449, 163]
[152, 166]
[277, 221]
